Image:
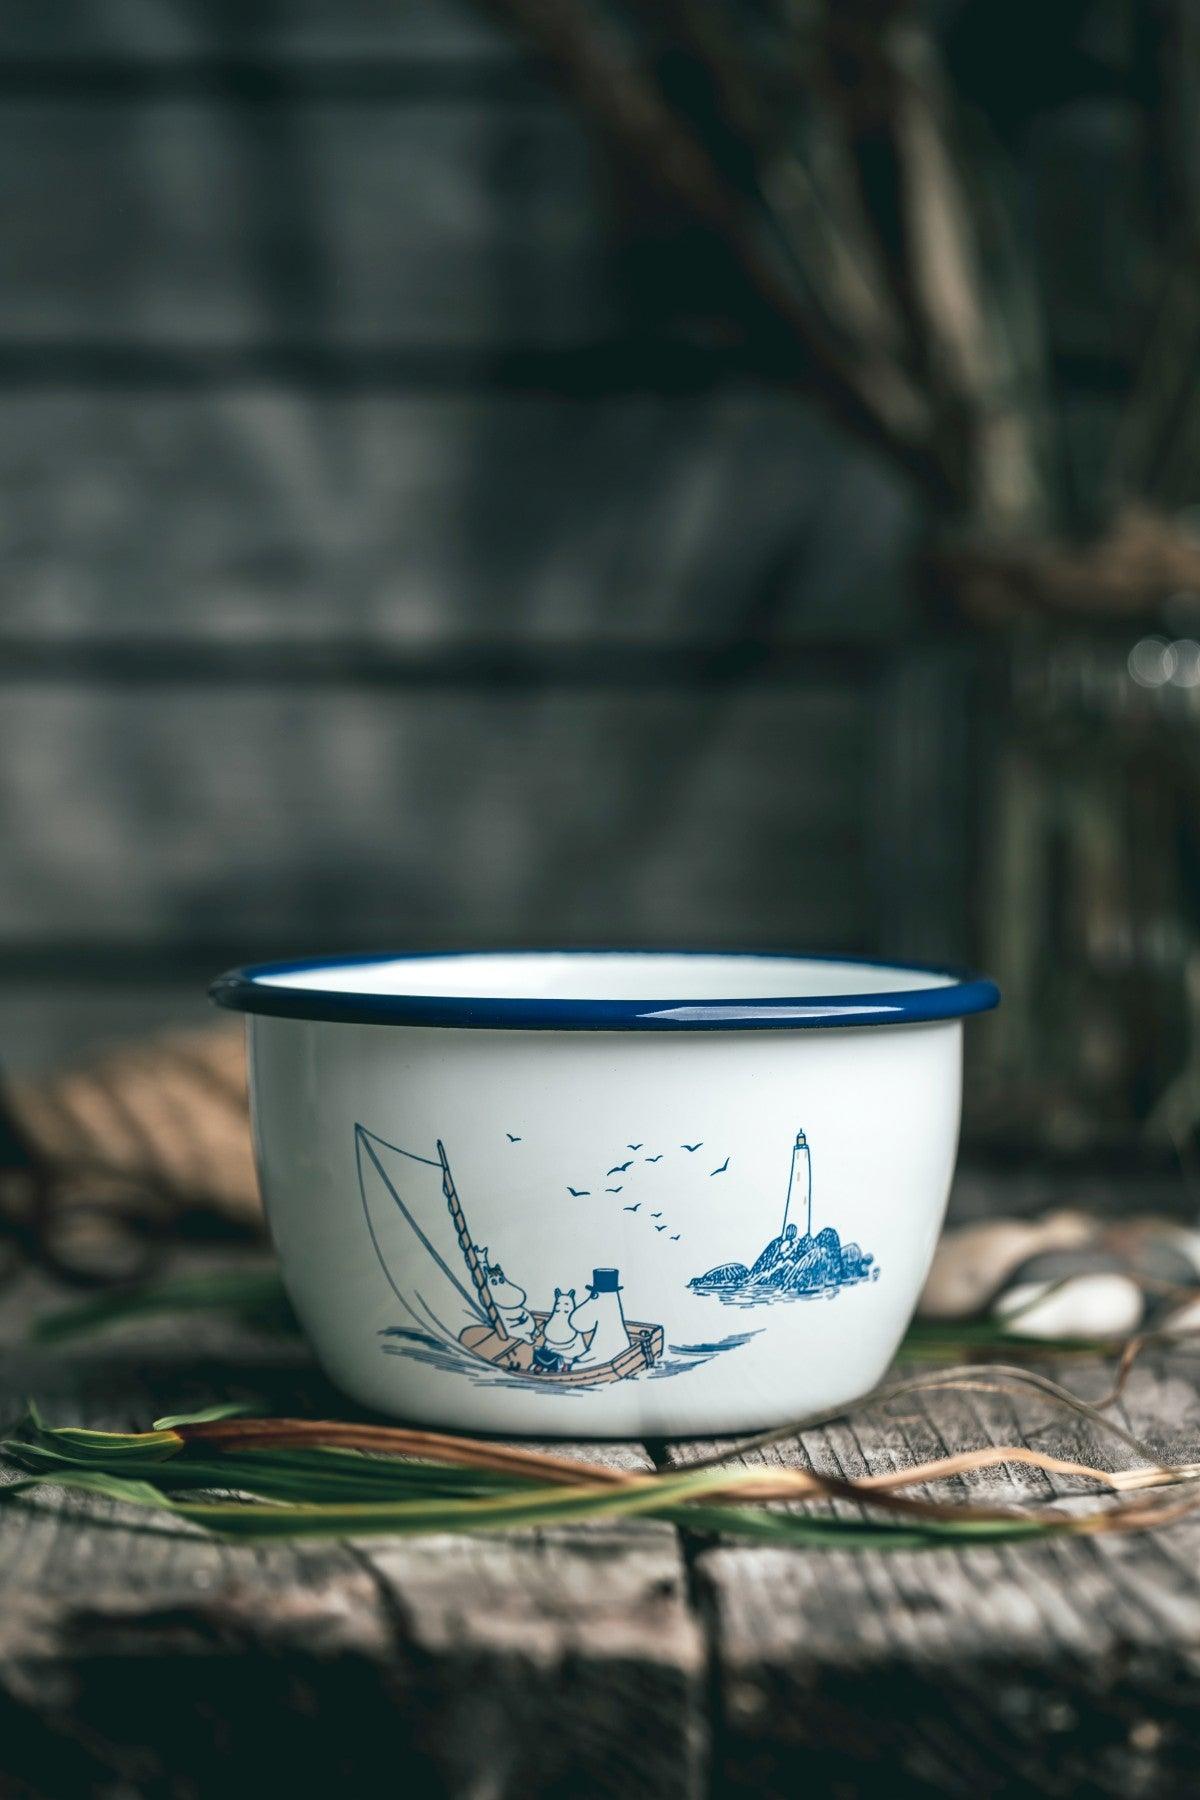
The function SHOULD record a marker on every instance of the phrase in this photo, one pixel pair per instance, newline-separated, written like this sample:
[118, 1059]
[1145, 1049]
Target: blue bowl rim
[958, 994]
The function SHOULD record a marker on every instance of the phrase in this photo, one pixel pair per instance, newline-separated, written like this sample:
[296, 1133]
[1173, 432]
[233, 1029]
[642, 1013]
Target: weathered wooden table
[140, 1658]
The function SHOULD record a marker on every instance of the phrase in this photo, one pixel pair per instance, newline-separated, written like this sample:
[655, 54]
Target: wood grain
[254, 515]
[1046, 1669]
[144, 1656]
[323, 348]
[588, 1661]
[460, 224]
[357, 818]
[181, 31]
[259, 520]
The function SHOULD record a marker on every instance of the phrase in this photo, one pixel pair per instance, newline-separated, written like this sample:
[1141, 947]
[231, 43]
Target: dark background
[387, 559]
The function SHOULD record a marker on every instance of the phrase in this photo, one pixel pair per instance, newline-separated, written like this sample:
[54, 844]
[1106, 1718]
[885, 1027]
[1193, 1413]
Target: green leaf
[225, 1409]
[94, 1481]
[961, 1339]
[105, 1446]
[298, 1477]
[258, 1520]
[256, 1295]
[321, 1490]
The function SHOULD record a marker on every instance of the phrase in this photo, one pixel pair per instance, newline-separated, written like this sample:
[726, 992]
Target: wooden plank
[574, 1661]
[248, 513]
[142, 1655]
[186, 223]
[1047, 1669]
[46, 1023]
[181, 31]
[134, 815]
[576, 1665]
[106, 1618]
[474, 1666]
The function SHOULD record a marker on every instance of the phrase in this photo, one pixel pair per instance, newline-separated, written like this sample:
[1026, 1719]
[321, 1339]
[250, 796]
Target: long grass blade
[668, 1497]
[395, 1440]
[323, 1489]
[248, 1476]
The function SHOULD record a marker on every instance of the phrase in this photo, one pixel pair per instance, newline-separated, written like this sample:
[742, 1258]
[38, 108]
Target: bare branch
[804, 177]
[865, 394]
[1127, 573]
[881, 79]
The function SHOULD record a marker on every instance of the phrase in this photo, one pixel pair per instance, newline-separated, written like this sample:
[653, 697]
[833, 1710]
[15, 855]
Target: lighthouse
[800, 1183]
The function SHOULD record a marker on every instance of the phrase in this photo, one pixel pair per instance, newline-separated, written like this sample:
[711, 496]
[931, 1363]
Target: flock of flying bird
[623, 1168]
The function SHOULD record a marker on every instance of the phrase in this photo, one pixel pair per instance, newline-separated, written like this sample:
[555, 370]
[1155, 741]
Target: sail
[416, 1240]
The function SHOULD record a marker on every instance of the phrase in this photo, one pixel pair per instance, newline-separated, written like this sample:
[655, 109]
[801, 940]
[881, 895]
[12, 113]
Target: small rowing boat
[446, 1291]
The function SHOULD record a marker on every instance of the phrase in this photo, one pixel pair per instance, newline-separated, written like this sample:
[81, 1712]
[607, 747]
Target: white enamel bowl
[604, 1194]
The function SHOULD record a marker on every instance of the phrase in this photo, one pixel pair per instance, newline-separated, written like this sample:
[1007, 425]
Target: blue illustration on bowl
[793, 1265]
[464, 1311]
[463, 1304]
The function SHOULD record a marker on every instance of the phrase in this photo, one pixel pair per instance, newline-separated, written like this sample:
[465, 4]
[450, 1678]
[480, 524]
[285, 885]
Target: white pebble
[1185, 1239]
[1067, 1229]
[972, 1263]
[1086, 1306]
[1185, 1318]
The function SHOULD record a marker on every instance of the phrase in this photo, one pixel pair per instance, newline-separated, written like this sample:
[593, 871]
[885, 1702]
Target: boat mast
[478, 1274]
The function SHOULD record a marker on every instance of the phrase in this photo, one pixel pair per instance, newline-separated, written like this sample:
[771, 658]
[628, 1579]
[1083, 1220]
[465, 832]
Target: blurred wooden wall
[376, 567]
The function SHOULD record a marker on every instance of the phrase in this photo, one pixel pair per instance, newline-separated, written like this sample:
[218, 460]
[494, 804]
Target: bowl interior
[607, 975]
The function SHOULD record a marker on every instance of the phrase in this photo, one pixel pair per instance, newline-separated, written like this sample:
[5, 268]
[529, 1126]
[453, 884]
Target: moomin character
[515, 1316]
[601, 1319]
[466, 1298]
[561, 1344]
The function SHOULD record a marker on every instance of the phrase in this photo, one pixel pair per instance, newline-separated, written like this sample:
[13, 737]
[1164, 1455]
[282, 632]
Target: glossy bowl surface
[604, 1194]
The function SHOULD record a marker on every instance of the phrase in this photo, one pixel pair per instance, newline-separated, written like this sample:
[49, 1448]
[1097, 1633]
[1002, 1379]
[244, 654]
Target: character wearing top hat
[601, 1319]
